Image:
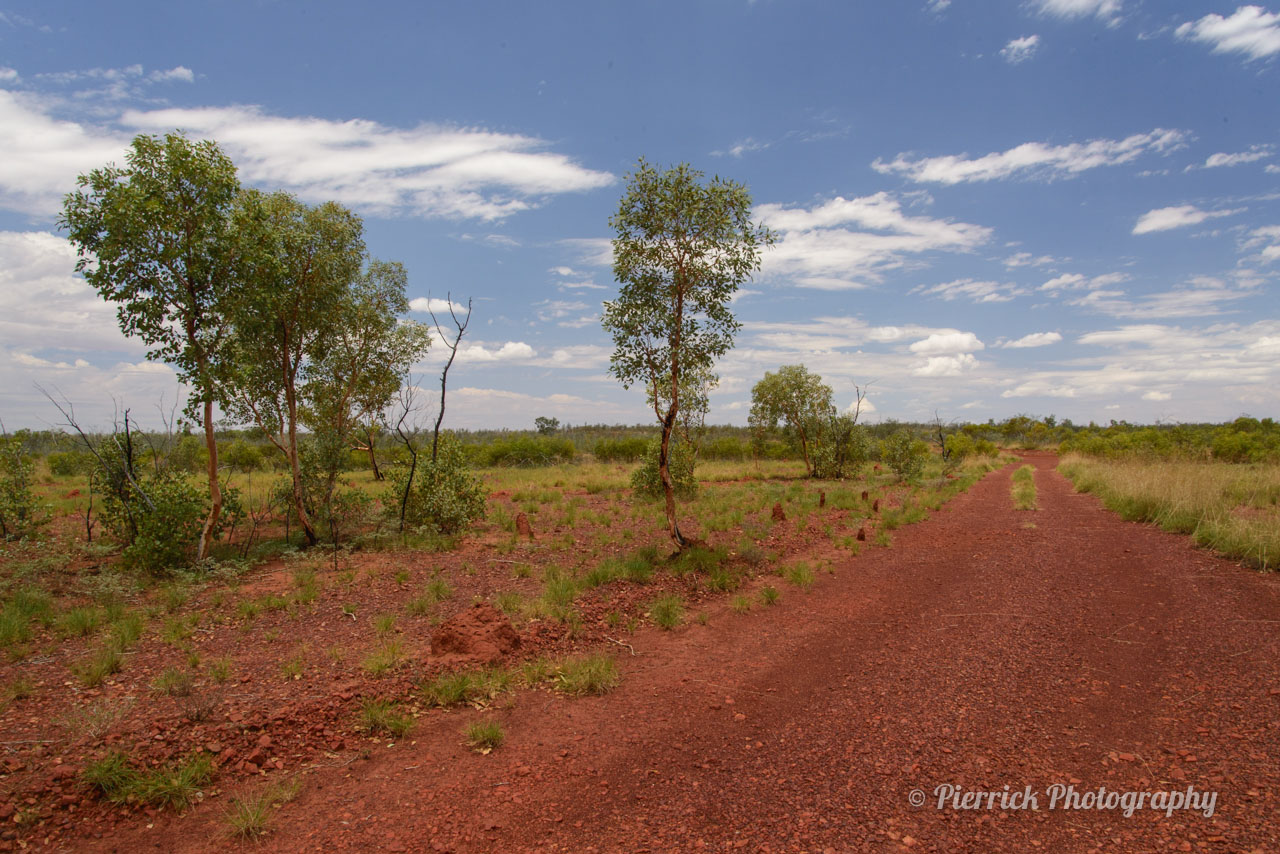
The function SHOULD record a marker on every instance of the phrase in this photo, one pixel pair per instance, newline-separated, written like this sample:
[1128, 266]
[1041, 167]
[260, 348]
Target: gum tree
[156, 238]
[682, 247]
[799, 399]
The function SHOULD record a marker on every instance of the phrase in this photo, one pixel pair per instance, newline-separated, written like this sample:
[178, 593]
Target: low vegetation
[1231, 508]
[1023, 489]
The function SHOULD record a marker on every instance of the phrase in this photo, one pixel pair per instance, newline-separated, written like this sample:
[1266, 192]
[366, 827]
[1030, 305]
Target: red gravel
[987, 647]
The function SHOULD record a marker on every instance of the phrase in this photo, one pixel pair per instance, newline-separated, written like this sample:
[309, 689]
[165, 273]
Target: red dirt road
[986, 648]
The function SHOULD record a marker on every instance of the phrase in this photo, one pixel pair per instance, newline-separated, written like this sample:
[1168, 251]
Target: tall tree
[682, 248]
[156, 237]
[300, 264]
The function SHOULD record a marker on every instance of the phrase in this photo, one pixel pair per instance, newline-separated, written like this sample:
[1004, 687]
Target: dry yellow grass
[1232, 508]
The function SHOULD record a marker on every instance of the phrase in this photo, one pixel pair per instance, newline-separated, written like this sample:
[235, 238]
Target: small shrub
[769, 595]
[94, 671]
[667, 611]
[450, 689]
[377, 715]
[590, 674]
[646, 480]
[446, 497]
[384, 659]
[173, 682]
[250, 816]
[904, 454]
[485, 736]
[741, 604]
[800, 575]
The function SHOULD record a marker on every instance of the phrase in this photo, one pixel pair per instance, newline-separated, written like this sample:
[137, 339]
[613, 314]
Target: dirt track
[977, 651]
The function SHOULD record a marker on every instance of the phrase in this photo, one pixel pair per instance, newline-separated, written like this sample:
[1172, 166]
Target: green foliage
[647, 482]
[626, 450]
[681, 249]
[546, 426]
[383, 716]
[587, 675]
[798, 399]
[446, 496]
[667, 611]
[961, 446]
[904, 454]
[525, 451]
[842, 449]
[69, 463]
[485, 736]
[165, 531]
[20, 515]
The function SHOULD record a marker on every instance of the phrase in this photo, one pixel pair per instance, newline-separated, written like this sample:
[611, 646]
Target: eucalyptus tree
[799, 399]
[300, 264]
[157, 238]
[682, 247]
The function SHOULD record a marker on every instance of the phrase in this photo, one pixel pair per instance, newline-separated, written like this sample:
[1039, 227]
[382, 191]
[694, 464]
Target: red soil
[986, 648]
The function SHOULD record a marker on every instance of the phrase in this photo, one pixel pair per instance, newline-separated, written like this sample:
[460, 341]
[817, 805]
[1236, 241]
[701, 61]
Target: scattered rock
[779, 515]
[523, 528]
[481, 634]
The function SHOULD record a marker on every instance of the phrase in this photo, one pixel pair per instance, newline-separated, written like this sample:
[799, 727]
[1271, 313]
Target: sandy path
[987, 647]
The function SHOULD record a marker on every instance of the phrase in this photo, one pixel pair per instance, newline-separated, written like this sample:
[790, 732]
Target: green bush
[842, 449]
[445, 496]
[165, 531]
[904, 454]
[626, 450]
[527, 451]
[20, 516]
[69, 463]
[726, 448]
[646, 480]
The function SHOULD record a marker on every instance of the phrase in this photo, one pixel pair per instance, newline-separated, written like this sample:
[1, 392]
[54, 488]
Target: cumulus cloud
[946, 366]
[1020, 50]
[947, 341]
[1178, 216]
[510, 351]
[1250, 30]
[1035, 339]
[425, 305]
[1032, 159]
[845, 243]
[1157, 395]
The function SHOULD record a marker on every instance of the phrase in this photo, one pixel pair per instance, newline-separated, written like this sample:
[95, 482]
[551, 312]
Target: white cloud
[1157, 395]
[425, 305]
[1255, 152]
[1201, 296]
[1078, 282]
[43, 155]
[1026, 259]
[1020, 50]
[946, 366]
[179, 73]
[1032, 159]
[1035, 339]
[979, 292]
[592, 251]
[938, 6]
[1251, 30]
[1266, 240]
[510, 351]
[1107, 10]
[1163, 219]
[947, 341]
[8, 75]
[742, 147]
[844, 243]
[428, 170]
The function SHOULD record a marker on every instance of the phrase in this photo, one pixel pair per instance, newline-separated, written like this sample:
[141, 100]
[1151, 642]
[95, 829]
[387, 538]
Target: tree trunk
[373, 458]
[668, 486]
[215, 489]
[295, 468]
[804, 449]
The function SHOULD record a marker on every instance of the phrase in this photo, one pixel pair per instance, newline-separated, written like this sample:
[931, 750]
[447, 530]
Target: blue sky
[984, 209]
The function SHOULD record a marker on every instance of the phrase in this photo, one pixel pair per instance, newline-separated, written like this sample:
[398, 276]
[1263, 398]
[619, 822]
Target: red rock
[264, 740]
